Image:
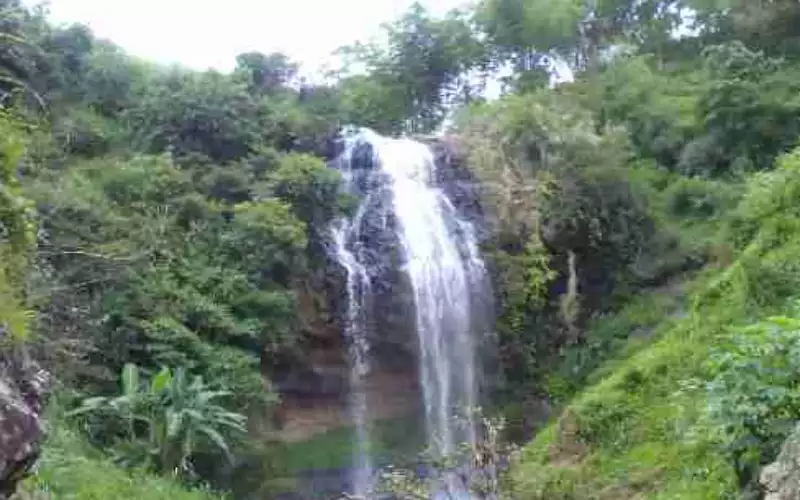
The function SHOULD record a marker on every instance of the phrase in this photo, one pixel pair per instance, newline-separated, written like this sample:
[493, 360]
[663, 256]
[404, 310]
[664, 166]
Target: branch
[78, 285]
[94, 255]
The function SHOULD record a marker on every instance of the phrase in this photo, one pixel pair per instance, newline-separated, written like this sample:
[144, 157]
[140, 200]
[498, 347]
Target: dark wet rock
[457, 180]
[312, 383]
[23, 390]
[363, 157]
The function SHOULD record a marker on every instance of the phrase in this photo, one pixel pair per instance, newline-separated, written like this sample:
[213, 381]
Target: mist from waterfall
[438, 252]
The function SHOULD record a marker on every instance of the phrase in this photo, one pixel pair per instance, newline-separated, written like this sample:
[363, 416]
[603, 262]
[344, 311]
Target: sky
[210, 33]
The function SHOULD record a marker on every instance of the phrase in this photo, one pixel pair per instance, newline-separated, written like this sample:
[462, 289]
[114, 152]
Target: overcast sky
[210, 33]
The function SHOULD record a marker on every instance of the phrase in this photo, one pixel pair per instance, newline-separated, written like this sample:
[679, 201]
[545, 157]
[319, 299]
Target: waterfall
[403, 206]
[347, 239]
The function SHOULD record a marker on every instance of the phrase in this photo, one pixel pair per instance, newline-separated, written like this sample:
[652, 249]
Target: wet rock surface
[457, 181]
[23, 391]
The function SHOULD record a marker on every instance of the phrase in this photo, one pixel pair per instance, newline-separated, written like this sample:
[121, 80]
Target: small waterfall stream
[437, 251]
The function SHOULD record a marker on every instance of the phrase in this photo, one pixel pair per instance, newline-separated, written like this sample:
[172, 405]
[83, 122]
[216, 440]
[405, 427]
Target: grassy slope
[69, 469]
[641, 428]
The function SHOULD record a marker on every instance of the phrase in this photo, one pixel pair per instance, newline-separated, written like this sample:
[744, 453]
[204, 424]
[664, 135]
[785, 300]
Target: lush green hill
[161, 249]
[692, 408]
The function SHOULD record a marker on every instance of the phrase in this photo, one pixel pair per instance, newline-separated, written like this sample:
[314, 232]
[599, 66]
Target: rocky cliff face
[23, 390]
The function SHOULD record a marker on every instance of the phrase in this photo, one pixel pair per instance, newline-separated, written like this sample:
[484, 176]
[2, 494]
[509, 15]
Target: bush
[166, 421]
[749, 111]
[769, 214]
[754, 392]
[205, 113]
[178, 279]
[82, 132]
[567, 225]
[692, 198]
[658, 108]
[71, 470]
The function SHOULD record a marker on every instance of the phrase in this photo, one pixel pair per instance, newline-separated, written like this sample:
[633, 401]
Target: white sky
[210, 33]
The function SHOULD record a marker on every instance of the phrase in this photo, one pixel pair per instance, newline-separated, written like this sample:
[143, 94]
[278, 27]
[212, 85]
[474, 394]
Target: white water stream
[440, 256]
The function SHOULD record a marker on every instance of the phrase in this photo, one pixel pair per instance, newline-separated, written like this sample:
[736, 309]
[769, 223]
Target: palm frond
[217, 439]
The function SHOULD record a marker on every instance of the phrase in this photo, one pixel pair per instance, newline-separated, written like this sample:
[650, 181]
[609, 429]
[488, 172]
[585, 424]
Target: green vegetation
[161, 230]
[695, 411]
[164, 422]
[69, 469]
[17, 231]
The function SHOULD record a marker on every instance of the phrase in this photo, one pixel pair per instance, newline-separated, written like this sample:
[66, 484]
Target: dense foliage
[160, 231]
[174, 212]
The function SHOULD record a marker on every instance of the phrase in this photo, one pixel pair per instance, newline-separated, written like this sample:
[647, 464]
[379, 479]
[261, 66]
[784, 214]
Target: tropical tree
[420, 73]
[266, 73]
[532, 33]
[203, 113]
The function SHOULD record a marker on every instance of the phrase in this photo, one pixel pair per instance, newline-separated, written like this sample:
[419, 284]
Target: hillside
[608, 263]
[694, 407]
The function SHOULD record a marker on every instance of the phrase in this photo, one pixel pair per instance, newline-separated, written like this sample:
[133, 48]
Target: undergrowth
[71, 469]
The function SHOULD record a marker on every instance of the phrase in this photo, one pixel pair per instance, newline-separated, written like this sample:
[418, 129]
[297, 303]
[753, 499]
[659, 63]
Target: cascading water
[437, 250]
[347, 242]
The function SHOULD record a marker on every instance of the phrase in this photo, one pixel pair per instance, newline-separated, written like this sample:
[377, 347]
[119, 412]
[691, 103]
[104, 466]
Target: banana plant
[189, 416]
[167, 420]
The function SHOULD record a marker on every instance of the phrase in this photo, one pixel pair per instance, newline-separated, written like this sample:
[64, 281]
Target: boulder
[781, 479]
[23, 390]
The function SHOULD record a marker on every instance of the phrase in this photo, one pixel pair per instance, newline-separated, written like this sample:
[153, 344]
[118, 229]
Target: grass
[613, 338]
[70, 469]
[639, 430]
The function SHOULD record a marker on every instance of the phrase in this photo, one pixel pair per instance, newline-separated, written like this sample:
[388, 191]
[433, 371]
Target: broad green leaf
[174, 421]
[88, 406]
[160, 381]
[207, 396]
[130, 379]
[217, 439]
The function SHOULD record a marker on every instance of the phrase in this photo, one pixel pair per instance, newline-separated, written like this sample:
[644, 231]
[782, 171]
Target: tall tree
[423, 69]
[266, 73]
[532, 32]
[769, 25]
[206, 113]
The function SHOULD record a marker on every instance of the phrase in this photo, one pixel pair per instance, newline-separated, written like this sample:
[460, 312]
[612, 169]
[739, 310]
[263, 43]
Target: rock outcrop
[23, 390]
[781, 479]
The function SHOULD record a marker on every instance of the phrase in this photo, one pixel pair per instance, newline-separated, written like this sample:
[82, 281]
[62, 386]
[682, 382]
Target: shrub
[69, 469]
[754, 391]
[165, 422]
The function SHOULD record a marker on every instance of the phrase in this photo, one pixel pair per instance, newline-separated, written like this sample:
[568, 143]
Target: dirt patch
[568, 449]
